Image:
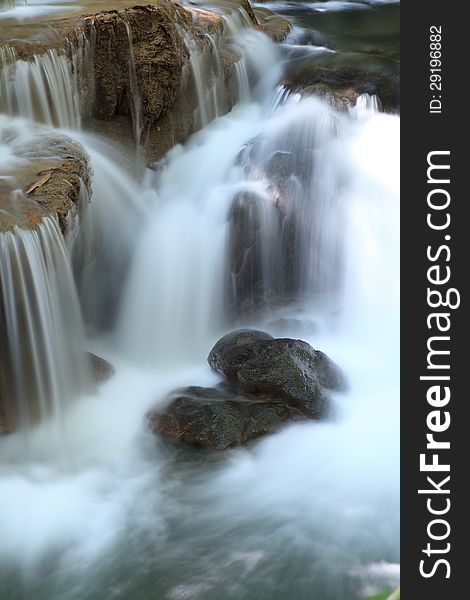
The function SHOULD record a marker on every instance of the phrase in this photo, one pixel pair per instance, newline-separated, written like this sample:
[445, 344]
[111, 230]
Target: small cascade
[281, 215]
[7, 5]
[249, 55]
[196, 59]
[366, 103]
[218, 87]
[181, 255]
[258, 67]
[174, 295]
[42, 341]
[82, 54]
[109, 223]
[258, 226]
[135, 102]
[287, 209]
[43, 90]
[242, 80]
[205, 71]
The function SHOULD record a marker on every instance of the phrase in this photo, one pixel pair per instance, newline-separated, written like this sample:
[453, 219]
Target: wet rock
[245, 4]
[113, 81]
[100, 368]
[272, 24]
[340, 98]
[233, 349]
[268, 382]
[218, 418]
[158, 53]
[282, 369]
[341, 85]
[293, 326]
[52, 173]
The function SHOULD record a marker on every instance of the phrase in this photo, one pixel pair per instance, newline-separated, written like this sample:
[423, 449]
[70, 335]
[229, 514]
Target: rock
[218, 418]
[340, 98]
[245, 4]
[285, 370]
[272, 24]
[100, 368]
[112, 82]
[233, 349]
[268, 382]
[341, 85]
[53, 173]
[159, 53]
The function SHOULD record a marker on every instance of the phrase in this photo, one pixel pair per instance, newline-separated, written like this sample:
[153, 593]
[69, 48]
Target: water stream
[310, 195]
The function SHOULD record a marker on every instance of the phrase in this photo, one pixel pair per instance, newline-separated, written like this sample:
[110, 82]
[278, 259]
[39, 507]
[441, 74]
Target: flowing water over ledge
[109, 511]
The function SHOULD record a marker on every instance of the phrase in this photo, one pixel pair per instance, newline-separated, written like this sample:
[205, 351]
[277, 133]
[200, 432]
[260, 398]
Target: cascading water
[42, 337]
[111, 222]
[181, 255]
[43, 90]
[7, 5]
[134, 96]
[283, 213]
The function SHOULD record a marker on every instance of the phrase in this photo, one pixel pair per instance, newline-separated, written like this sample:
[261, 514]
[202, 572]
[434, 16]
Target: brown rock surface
[52, 173]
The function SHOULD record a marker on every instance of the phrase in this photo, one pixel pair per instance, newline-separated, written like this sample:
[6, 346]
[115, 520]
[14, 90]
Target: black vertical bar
[424, 131]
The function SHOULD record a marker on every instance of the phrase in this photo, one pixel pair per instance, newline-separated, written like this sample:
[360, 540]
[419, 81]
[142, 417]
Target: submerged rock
[100, 368]
[268, 382]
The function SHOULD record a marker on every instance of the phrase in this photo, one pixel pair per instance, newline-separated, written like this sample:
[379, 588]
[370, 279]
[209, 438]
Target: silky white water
[42, 334]
[328, 492]
[310, 512]
[42, 90]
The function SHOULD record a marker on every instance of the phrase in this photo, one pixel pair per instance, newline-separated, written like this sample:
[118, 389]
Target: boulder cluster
[266, 383]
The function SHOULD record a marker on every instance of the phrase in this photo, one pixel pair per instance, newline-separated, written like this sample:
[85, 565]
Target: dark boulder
[278, 369]
[233, 349]
[218, 418]
[268, 382]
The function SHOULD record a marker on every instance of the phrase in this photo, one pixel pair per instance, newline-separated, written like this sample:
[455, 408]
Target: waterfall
[249, 55]
[43, 90]
[289, 211]
[111, 221]
[247, 218]
[366, 102]
[133, 92]
[7, 5]
[181, 254]
[42, 337]
[281, 215]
